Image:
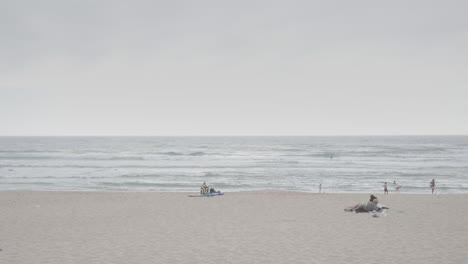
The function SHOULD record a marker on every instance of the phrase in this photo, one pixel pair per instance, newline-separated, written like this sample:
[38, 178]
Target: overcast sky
[233, 67]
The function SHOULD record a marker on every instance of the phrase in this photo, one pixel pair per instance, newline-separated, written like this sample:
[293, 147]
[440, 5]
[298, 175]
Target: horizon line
[244, 135]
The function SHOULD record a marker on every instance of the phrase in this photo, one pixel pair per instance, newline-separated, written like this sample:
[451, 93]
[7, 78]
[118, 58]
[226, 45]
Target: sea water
[339, 163]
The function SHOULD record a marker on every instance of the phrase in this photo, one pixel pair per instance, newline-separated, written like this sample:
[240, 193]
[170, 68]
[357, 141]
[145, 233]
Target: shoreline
[230, 192]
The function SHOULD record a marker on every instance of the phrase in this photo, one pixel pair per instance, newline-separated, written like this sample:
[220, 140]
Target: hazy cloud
[233, 67]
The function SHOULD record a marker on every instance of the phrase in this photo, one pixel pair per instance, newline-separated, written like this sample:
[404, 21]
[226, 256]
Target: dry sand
[245, 227]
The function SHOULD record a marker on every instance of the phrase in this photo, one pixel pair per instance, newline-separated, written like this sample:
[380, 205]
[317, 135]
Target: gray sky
[233, 67]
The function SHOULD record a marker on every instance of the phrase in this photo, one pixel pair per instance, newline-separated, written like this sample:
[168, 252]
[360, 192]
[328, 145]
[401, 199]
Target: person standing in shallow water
[433, 185]
[385, 189]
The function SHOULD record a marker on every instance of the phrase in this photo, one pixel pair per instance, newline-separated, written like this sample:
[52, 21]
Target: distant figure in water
[331, 157]
[320, 188]
[397, 189]
[385, 189]
[394, 182]
[433, 185]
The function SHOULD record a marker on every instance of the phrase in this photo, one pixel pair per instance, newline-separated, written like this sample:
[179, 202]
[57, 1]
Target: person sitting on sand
[204, 189]
[365, 207]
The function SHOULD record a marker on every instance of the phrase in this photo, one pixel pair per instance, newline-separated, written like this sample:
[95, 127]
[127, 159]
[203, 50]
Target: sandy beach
[242, 227]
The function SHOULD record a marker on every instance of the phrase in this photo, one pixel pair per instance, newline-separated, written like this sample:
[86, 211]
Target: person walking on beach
[385, 188]
[433, 185]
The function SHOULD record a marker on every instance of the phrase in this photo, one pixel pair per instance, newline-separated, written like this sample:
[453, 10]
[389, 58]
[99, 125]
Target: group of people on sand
[373, 203]
[204, 189]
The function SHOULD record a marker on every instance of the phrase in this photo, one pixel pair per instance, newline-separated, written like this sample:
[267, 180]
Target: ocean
[341, 164]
